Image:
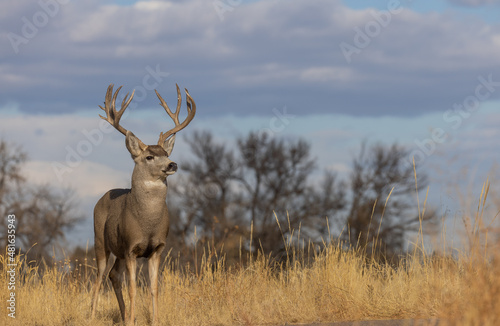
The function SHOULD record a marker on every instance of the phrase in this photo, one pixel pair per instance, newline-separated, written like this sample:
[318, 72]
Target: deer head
[152, 161]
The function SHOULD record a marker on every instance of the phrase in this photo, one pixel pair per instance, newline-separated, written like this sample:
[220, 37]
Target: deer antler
[113, 116]
[191, 108]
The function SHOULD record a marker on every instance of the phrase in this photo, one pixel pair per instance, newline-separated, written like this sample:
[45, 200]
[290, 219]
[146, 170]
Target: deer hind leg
[116, 277]
[101, 258]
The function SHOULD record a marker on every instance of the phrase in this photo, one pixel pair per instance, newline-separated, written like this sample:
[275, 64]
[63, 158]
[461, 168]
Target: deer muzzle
[171, 168]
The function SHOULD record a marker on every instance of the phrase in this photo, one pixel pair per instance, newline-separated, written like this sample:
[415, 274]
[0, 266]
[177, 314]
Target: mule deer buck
[133, 223]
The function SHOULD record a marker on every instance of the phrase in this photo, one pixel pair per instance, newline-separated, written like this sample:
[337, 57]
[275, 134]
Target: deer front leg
[131, 263]
[153, 266]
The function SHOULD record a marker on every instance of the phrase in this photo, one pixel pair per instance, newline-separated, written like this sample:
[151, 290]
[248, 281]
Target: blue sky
[340, 72]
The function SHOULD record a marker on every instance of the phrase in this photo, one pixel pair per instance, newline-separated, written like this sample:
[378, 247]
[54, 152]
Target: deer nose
[172, 167]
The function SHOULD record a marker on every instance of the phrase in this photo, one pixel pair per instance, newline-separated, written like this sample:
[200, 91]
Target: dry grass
[334, 285]
[338, 286]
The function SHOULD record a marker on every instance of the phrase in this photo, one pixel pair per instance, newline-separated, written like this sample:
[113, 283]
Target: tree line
[245, 197]
[266, 189]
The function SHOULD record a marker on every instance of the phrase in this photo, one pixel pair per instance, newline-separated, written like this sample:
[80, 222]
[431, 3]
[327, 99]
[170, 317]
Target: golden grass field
[331, 284]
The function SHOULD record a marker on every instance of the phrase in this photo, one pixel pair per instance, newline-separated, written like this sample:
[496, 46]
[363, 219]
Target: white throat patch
[154, 184]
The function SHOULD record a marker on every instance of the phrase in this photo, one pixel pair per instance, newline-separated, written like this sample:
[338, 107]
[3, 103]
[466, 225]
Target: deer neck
[148, 193]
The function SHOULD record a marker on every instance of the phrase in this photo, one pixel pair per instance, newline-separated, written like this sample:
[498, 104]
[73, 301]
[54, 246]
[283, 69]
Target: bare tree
[206, 196]
[214, 174]
[43, 214]
[266, 178]
[225, 192]
[11, 160]
[377, 171]
[277, 183]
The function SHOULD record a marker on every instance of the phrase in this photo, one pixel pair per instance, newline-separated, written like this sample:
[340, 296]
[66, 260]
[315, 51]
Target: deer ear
[133, 144]
[168, 144]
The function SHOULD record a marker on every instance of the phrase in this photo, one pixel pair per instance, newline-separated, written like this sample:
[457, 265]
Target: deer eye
[149, 158]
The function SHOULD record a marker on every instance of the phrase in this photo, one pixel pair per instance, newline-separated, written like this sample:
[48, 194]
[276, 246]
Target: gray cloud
[473, 3]
[262, 55]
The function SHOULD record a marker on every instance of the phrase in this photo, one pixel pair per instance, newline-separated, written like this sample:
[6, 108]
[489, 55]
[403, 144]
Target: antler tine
[107, 100]
[125, 104]
[113, 116]
[174, 115]
[191, 108]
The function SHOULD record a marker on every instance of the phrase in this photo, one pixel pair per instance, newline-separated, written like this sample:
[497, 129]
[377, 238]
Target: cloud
[328, 74]
[88, 180]
[473, 3]
[264, 54]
